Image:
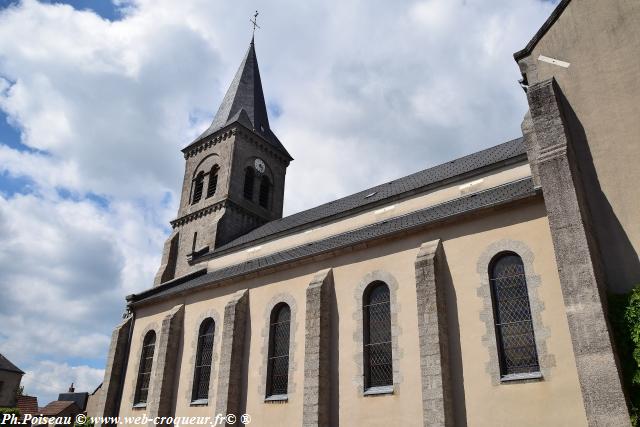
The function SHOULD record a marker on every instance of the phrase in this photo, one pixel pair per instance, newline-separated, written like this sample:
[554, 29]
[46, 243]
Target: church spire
[244, 103]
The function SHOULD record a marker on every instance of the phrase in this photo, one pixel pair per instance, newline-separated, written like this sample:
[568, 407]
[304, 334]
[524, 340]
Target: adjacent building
[469, 293]
[10, 378]
[28, 407]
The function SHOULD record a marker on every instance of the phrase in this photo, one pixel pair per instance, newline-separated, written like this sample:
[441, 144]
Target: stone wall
[582, 284]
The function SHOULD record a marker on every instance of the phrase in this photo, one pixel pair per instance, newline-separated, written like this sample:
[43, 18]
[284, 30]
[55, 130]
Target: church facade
[470, 293]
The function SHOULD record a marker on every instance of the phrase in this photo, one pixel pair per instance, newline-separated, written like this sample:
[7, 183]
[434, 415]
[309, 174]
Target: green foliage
[87, 423]
[624, 315]
[15, 411]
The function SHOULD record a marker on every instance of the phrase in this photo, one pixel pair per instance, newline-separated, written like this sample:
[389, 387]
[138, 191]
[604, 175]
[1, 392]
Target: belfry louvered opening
[198, 186]
[249, 178]
[204, 354]
[146, 365]
[378, 365]
[512, 316]
[278, 363]
[265, 189]
[213, 181]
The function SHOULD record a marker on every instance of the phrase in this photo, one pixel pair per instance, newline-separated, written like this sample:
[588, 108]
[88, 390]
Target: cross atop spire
[254, 21]
[244, 103]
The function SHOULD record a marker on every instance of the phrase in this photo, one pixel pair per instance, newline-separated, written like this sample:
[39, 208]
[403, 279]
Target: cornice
[208, 142]
[226, 133]
[207, 210]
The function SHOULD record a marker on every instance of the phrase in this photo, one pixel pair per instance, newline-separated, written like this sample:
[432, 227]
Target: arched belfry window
[204, 354]
[144, 371]
[512, 316]
[249, 178]
[213, 181]
[265, 187]
[278, 363]
[198, 184]
[378, 366]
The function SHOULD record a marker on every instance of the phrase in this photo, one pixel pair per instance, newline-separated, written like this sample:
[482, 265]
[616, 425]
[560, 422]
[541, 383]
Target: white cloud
[368, 91]
[47, 379]
[66, 266]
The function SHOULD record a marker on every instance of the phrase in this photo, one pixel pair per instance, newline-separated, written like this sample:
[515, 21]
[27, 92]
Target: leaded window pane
[204, 354]
[278, 363]
[378, 365]
[512, 315]
[146, 364]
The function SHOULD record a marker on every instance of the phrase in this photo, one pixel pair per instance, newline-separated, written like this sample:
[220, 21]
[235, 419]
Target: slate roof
[244, 103]
[80, 399]
[6, 365]
[434, 214]
[513, 150]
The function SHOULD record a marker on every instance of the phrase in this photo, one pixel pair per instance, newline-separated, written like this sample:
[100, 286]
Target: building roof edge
[542, 30]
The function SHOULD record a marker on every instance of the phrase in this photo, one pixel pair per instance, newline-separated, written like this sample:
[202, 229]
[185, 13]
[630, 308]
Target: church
[470, 293]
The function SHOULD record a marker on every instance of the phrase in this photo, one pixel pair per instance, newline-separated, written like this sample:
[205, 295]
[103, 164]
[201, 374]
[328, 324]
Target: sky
[98, 96]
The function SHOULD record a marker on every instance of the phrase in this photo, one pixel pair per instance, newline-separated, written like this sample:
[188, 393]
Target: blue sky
[96, 100]
[105, 8]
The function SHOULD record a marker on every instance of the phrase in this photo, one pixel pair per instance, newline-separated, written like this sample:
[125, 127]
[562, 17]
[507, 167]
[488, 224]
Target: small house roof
[6, 365]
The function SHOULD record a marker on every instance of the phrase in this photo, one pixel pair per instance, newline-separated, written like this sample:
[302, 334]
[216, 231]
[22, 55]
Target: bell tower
[234, 176]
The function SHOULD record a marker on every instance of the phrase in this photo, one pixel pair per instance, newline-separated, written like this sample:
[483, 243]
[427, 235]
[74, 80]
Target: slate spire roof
[244, 103]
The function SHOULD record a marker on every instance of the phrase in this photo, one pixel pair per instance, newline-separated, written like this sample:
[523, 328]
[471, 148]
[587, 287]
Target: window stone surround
[264, 350]
[211, 313]
[546, 360]
[358, 334]
[134, 380]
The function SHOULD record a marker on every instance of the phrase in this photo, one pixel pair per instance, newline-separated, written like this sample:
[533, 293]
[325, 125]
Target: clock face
[259, 165]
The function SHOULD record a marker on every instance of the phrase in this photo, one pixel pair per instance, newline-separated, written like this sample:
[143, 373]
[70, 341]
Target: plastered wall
[479, 396]
[600, 41]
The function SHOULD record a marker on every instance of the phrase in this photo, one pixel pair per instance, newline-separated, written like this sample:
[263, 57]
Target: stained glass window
[512, 316]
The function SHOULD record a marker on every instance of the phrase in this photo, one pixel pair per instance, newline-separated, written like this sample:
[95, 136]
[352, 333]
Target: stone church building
[470, 293]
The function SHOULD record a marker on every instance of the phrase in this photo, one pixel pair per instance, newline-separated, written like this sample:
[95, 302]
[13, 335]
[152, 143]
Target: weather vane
[254, 22]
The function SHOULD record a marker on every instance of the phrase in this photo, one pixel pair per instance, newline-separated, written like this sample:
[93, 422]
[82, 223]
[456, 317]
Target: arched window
[249, 177]
[198, 184]
[213, 181]
[512, 315]
[265, 186]
[278, 364]
[378, 366]
[204, 354]
[144, 371]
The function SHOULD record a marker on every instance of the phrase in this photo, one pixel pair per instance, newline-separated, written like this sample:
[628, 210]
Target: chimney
[71, 389]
